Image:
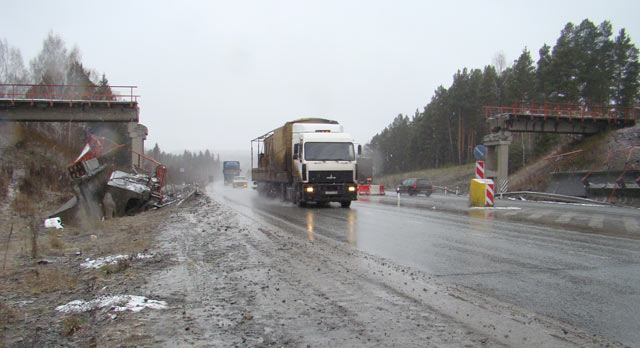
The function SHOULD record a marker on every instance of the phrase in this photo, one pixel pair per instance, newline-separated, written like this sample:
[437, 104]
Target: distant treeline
[201, 167]
[54, 65]
[586, 66]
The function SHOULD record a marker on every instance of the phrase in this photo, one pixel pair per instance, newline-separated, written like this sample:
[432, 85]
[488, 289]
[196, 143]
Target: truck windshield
[329, 152]
[231, 165]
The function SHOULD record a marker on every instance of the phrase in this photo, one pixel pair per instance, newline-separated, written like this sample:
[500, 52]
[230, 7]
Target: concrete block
[481, 193]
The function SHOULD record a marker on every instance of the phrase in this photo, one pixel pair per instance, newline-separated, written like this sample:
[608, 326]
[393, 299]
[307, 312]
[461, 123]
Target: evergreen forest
[588, 65]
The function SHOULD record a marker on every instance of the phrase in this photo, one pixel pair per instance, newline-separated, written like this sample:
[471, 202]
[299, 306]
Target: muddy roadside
[233, 280]
[209, 277]
[60, 266]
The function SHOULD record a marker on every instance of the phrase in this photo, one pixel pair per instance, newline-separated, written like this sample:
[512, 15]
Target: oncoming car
[240, 182]
[414, 186]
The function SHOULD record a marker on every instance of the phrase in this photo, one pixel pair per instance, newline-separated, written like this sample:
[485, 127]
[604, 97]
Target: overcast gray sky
[215, 74]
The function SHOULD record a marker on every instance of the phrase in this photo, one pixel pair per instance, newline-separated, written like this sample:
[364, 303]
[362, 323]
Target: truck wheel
[345, 204]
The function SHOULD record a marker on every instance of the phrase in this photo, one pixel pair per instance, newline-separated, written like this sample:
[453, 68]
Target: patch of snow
[118, 303]
[495, 208]
[111, 260]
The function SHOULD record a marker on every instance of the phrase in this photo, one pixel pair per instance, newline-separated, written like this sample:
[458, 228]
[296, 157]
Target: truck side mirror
[296, 151]
[359, 149]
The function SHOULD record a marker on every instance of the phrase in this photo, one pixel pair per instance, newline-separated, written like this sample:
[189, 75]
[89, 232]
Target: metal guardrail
[88, 93]
[552, 197]
[447, 190]
[560, 110]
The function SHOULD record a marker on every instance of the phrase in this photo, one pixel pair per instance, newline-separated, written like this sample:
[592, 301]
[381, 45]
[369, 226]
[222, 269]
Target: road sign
[480, 151]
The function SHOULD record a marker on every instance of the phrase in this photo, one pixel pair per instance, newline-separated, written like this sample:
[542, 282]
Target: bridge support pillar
[138, 134]
[497, 161]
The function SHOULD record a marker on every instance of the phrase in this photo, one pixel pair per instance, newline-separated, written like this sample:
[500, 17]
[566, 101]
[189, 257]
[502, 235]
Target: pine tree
[521, 83]
[544, 80]
[626, 71]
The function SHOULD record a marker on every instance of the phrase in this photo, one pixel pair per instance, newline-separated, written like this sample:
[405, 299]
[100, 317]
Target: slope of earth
[612, 150]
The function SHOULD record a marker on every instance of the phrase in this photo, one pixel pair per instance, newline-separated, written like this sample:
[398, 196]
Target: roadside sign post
[480, 152]
[480, 170]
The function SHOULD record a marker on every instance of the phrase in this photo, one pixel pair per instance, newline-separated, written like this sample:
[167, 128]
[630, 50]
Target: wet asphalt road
[577, 264]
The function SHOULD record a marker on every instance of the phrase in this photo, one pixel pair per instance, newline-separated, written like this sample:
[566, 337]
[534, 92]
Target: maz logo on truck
[331, 177]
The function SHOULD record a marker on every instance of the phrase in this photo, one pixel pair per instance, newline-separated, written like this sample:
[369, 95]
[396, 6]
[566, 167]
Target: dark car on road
[414, 186]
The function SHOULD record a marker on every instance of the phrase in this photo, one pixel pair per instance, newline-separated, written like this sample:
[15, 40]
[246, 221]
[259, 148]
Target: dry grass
[6, 314]
[120, 266]
[23, 205]
[54, 241]
[71, 325]
[35, 281]
[4, 182]
[42, 281]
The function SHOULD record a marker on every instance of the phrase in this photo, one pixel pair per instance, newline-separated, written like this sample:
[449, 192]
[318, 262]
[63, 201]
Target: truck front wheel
[345, 204]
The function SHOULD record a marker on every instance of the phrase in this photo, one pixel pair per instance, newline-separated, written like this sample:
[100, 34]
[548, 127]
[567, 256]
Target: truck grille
[330, 176]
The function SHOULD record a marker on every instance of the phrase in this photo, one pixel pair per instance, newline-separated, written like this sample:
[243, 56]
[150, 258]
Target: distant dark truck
[230, 169]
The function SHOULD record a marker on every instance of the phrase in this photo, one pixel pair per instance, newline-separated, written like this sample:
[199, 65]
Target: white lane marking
[565, 218]
[597, 221]
[631, 224]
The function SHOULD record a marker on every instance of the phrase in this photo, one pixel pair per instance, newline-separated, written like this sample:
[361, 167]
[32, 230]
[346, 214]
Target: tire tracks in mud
[240, 278]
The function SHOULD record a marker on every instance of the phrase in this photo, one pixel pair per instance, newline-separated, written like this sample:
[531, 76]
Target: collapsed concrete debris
[101, 193]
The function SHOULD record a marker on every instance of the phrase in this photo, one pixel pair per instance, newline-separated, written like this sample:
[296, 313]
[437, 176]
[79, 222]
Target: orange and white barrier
[367, 190]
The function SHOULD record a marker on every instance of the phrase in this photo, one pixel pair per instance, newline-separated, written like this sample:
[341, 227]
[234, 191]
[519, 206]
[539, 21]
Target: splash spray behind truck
[306, 160]
[230, 169]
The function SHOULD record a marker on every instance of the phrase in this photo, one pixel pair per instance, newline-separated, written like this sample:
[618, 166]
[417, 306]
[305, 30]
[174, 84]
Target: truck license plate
[331, 192]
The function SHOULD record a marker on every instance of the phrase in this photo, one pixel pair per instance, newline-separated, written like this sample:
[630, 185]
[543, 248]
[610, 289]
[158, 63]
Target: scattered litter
[111, 260]
[54, 222]
[118, 303]
[44, 262]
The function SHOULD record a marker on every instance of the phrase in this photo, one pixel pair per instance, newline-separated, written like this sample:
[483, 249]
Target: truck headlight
[352, 189]
[310, 189]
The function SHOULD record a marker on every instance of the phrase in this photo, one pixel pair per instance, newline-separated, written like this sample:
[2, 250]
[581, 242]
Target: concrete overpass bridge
[544, 117]
[116, 108]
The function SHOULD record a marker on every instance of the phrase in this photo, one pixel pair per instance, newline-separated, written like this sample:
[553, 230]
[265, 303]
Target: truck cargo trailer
[306, 160]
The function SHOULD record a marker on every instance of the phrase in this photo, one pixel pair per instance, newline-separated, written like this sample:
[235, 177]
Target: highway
[578, 264]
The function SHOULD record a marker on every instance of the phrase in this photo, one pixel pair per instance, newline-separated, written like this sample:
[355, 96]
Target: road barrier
[367, 190]
[481, 193]
[480, 170]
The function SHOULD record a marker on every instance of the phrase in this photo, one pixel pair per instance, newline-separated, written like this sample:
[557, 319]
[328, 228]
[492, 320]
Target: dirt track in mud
[228, 280]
